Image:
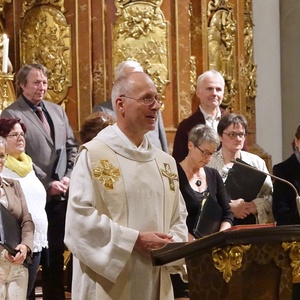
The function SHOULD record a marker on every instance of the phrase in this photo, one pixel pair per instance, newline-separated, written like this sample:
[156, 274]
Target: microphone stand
[272, 176]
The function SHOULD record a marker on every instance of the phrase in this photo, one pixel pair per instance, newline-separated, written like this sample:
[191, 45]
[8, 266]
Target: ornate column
[7, 91]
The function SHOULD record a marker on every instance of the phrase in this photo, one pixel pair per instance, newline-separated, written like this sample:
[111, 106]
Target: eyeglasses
[232, 135]
[145, 101]
[16, 135]
[3, 157]
[206, 154]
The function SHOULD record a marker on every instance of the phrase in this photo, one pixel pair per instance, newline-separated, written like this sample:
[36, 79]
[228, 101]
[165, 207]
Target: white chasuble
[116, 191]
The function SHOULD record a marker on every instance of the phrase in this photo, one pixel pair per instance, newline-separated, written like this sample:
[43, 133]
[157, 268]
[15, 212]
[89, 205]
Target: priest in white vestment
[124, 201]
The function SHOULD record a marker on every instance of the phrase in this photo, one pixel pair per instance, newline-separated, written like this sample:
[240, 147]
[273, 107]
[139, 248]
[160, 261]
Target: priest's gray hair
[127, 66]
[203, 134]
[123, 86]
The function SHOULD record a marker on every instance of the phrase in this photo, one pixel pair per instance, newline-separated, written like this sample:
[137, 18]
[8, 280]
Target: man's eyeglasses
[145, 101]
[206, 154]
[16, 135]
[232, 135]
[3, 157]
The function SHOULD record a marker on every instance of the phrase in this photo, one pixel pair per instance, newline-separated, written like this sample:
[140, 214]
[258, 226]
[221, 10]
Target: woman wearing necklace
[19, 166]
[232, 130]
[196, 182]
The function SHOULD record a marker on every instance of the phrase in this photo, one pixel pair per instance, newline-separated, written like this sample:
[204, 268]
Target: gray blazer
[157, 136]
[39, 146]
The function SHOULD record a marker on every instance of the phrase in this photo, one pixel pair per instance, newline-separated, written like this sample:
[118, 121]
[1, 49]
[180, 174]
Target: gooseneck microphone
[273, 176]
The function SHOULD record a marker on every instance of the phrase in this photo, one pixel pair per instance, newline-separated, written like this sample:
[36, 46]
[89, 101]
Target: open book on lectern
[243, 182]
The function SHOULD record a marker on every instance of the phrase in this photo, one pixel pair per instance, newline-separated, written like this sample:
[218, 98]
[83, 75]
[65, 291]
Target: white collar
[209, 116]
[127, 141]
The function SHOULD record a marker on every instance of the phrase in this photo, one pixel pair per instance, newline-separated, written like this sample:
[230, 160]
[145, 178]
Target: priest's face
[140, 104]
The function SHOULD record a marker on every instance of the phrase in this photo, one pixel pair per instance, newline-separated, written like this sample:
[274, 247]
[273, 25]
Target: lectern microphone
[236, 161]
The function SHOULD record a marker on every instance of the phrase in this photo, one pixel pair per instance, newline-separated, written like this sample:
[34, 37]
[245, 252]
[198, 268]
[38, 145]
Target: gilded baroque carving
[141, 34]
[249, 68]
[28, 5]
[193, 74]
[7, 91]
[214, 5]
[46, 39]
[229, 259]
[247, 5]
[294, 253]
[122, 3]
[221, 46]
[2, 5]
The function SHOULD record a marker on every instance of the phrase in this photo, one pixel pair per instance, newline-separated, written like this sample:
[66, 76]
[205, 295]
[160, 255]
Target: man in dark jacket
[210, 91]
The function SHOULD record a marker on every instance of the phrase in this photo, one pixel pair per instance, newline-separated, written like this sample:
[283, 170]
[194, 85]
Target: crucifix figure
[171, 176]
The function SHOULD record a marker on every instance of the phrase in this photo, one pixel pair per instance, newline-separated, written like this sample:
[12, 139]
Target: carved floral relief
[141, 33]
[46, 39]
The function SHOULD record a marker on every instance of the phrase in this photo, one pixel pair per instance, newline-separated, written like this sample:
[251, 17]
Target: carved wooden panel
[174, 40]
[45, 37]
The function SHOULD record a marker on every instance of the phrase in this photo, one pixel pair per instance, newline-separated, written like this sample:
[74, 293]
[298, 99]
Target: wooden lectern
[244, 263]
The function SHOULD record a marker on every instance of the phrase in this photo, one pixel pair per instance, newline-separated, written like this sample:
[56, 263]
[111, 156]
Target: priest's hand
[148, 241]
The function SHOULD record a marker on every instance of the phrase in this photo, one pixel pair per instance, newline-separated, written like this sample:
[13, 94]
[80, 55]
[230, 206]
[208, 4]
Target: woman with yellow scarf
[19, 166]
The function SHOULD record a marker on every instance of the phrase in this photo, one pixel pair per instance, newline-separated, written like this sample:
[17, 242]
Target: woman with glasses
[197, 182]
[19, 166]
[232, 130]
[13, 274]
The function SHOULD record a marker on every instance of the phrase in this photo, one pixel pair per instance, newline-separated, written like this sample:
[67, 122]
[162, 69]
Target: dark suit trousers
[53, 274]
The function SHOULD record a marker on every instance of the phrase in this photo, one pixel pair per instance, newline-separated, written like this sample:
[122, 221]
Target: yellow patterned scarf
[22, 166]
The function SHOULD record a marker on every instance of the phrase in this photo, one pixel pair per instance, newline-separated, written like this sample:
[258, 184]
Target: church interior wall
[266, 15]
[276, 44]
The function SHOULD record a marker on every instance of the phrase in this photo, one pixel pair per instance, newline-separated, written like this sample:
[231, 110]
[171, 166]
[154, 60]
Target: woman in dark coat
[284, 197]
[199, 183]
[285, 208]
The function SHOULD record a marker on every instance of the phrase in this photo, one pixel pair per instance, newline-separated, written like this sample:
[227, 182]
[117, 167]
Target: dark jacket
[284, 197]
[180, 147]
